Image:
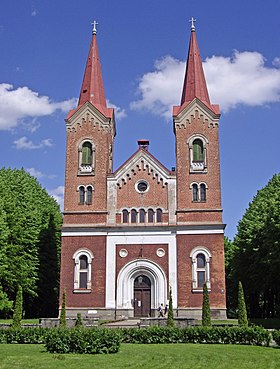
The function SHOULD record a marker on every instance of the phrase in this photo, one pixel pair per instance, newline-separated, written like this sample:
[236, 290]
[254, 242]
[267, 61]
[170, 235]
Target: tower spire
[194, 83]
[92, 87]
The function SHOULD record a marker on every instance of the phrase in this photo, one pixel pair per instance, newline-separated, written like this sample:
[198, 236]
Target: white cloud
[38, 174]
[241, 79]
[58, 194]
[24, 144]
[119, 112]
[18, 104]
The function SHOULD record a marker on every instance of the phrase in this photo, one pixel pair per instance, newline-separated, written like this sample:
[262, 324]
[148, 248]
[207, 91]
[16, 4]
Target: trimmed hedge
[276, 337]
[82, 341]
[23, 335]
[99, 340]
[227, 335]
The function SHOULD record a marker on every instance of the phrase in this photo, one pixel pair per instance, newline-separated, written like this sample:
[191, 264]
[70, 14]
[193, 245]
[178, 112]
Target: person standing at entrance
[160, 311]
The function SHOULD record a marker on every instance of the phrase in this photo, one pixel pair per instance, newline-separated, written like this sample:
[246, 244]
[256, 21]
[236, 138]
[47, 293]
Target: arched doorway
[142, 296]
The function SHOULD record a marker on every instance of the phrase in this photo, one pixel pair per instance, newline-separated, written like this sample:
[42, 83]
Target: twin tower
[131, 235]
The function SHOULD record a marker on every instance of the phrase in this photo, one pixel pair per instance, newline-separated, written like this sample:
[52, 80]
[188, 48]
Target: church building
[131, 235]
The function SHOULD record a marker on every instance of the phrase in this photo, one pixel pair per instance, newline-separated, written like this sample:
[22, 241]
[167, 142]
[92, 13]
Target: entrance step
[129, 323]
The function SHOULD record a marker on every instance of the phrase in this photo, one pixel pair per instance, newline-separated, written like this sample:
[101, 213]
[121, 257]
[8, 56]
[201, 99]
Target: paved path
[129, 323]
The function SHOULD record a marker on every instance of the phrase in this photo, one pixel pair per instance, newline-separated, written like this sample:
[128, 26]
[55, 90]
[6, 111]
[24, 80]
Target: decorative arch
[78, 256]
[198, 149]
[86, 157]
[198, 254]
[125, 283]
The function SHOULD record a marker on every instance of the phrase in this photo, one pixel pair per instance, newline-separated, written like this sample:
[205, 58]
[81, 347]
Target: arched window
[87, 153]
[200, 268]
[197, 146]
[125, 216]
[133, 216]
[82, 272]
[81, 195]
[142, 216]
[86, 157]
[159, 215]
[150, 216]
[202, 192]
[195, 192]
[89, 195]
[198, 151]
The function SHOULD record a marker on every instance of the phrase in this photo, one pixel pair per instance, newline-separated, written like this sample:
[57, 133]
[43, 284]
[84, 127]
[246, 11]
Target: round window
[142, 186]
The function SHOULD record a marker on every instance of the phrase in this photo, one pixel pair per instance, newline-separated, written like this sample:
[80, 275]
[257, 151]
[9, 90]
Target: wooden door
[142, 296]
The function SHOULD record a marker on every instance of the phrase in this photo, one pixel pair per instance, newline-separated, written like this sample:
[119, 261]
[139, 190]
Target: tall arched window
[198, 150]
[150, 216]
[197, 146]
[81, 195]
[86, 157]
[87, 153]
[89, 195]
[159, 215]
[125, 216]
[202, 192]
[195, 192]
[133, 216]
[142, 216]
[82, 272]
[200, 268]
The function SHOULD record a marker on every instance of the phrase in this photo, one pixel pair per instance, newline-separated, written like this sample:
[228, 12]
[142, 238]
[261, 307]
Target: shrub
[62, 319]
[276, 336]
[17, 316]
[206, 313]
[82, 341]
[23, 335]
[170, 318]
[242, 313]
[227, 335]
[79, 322]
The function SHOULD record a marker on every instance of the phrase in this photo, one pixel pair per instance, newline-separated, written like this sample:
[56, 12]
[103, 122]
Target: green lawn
[167, 356]
[24, 321]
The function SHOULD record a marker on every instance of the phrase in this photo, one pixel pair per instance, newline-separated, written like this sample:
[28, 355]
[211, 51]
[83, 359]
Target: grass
[24, 321]
[166, 356]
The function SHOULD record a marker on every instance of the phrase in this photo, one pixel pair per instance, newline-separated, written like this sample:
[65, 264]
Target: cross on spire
[193, 26]
[94, 24]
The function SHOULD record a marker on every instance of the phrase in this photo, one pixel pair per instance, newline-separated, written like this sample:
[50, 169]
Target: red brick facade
[143, 220]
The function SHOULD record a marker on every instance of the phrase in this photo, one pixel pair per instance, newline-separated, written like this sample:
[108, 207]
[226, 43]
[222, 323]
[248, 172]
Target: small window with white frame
[82, 270]
[197, 150]
[85, 193]
[200, 257]
[86, 158]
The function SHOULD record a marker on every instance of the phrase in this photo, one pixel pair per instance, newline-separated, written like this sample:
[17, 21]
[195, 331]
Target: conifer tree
[242, 313]
[17, 316]
[62, 319]
[79, 322]
[170, 317]
[206, 313]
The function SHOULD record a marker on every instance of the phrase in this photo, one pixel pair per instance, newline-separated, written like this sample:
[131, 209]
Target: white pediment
[196, 109]
[141, 161]
[90, 114]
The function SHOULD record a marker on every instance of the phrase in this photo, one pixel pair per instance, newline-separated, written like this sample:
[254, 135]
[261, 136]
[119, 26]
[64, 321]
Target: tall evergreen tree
[17, 317]
[62, 318]
[206, 313]
[170, 316]
[242, 313]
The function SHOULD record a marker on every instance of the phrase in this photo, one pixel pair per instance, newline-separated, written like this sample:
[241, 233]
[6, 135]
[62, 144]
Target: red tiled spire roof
[194, 83]
[92, 88]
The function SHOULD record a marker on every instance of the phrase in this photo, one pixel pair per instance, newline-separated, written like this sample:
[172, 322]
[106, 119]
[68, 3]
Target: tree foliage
[62, 318]
[242, 312]
[256, 260]
[17, 316]
[206, 313]
[29, 240]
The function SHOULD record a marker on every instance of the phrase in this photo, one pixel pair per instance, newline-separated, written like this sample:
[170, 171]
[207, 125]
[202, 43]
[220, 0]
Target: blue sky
[143, 47]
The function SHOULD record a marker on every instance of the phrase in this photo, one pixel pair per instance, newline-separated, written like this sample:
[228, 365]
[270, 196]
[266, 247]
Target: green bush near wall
[276, 336]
